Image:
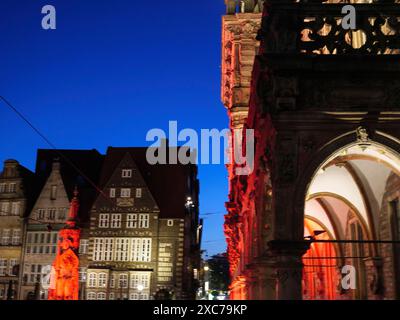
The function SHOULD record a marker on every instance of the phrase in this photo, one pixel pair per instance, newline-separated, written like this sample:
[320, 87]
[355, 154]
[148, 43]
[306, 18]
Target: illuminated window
[140, 280]
[126, 173]
[92, 280]
[122, 249]
[123, 280]
[11, 264]
[125, 193]
[61, 212]
[116, 220]
[15, 208]
[103, 249]
[82, 274]
[112, 193]
[32, 273]
[170, 223]
[104, 220]
[134, 296]
[3, 266]
[91, 296]
[131, 221]
[140, 249]
[143, 220]
[138, 192]
[102, 280]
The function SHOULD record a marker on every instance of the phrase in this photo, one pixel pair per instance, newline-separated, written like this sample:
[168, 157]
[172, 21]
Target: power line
[54, 147]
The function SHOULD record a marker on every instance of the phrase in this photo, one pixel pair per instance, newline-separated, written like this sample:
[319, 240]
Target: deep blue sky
[111, 71]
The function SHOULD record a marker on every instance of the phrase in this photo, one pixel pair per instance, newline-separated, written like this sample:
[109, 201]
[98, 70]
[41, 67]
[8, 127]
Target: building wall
[48, 215]
[13, 203]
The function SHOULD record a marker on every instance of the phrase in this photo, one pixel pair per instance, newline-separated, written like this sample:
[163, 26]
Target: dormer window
[126, 173]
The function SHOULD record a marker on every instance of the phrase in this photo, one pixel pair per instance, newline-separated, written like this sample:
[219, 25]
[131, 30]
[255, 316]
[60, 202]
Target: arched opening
[351, 199]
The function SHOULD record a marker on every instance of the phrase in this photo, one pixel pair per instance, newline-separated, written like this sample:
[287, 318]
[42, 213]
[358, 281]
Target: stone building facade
[144, 239]
[139, 225]
[324, 107]
[15, 200]
[56, 177]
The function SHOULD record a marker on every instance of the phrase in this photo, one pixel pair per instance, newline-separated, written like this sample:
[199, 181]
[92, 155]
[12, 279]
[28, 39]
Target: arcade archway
[345, 202]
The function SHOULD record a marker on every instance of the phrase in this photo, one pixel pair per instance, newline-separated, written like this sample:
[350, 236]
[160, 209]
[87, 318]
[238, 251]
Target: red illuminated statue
[64, 283]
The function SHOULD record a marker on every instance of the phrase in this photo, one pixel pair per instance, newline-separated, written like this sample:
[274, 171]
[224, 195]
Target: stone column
[288, 267]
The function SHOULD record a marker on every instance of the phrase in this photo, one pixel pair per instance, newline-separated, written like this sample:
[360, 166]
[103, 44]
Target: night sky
[111, 71]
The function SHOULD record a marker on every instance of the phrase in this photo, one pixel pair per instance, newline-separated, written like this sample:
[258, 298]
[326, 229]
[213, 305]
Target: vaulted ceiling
[351, 181]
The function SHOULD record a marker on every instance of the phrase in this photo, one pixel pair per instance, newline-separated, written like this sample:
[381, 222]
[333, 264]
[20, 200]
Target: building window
[12, 187]
[116, 220]
[91, 296]
[122, 249]
[41, 242]
[82, 274]
[33, 273]
[11, 264]
[5, 237]
[143, 220]
[41, 214]
[134, 296]
[53, 192]
[141, 249]
[112, 193]
[138, 192]
[15, 208]
[16, 237]
[112, 281]
[131, 221]
[3, 266]
[111, 296]
[104, 219]
[102, 281]
[123, 281]
[103, 249]
[92, 280]
[125, 193]
[140, 280]
[5, 208]
[101, 296]
[2, 187]
[51, 214]
[83, 246]
[170, 223]
[126, 173]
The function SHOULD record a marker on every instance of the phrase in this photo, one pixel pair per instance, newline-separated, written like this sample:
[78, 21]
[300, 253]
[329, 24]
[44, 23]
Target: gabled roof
[167, 183]
[79, 168]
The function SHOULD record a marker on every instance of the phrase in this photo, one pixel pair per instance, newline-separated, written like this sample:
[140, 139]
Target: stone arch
[320, 157]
